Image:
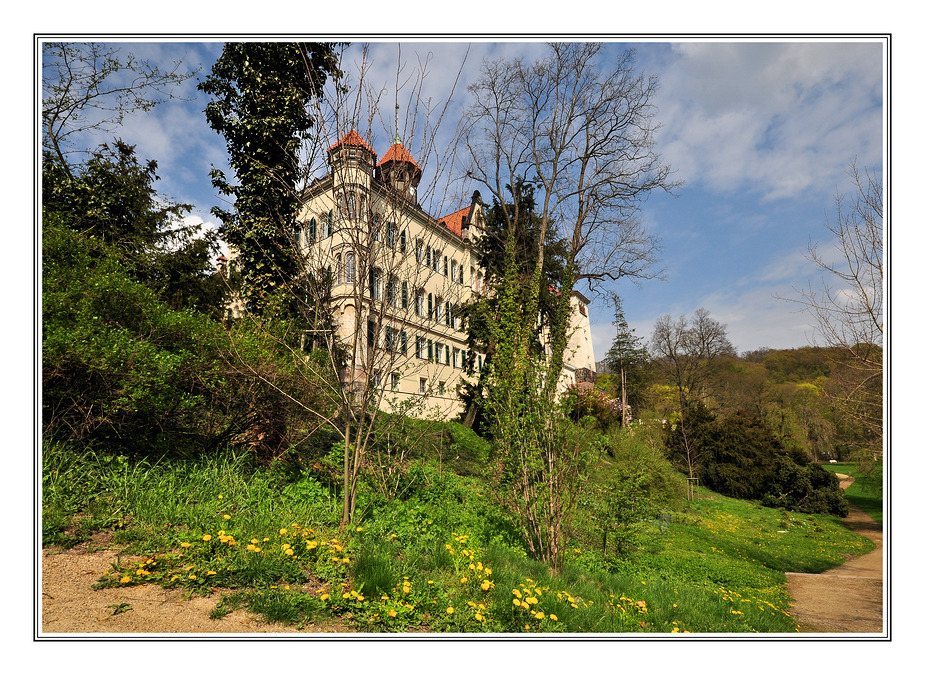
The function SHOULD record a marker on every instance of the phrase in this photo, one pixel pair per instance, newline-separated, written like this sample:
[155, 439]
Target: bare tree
[688, 350]
[581, 133]
[90, 86]
[847, 306]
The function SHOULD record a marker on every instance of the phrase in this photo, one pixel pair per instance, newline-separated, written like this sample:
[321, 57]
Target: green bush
[740, 457]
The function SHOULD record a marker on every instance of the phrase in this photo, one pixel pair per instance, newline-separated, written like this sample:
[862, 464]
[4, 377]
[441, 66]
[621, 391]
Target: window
[438, 356]
[446, 267]
[312, 230]
[328, 227]
[419, 251]
[436, 261]
[391, 339]
[403, 343]
[461, 275]
[428, 256]
[391, 235]
[453, 270]
[391, 290]
[377, 379]
[349, 268]
[449, 314]
[403, 242]
[297, 234]
[404, 295]
[430, 305]
[420, 347]
[375, 284]
[396, 380]
[419, 304]
[430, 350]
[371, 334]
[455, 357]
[438, 310]
[422, 385]
[441, 388]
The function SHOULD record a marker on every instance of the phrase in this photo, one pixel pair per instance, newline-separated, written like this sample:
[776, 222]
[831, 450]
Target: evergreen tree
[627, 358]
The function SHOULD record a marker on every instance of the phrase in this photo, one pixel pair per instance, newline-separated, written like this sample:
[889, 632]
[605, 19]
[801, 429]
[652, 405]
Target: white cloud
[773, 118]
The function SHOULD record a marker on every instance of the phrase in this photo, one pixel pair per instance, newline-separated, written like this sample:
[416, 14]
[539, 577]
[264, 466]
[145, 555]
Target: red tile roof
[398, 153]
[353, 138]
[454, 221]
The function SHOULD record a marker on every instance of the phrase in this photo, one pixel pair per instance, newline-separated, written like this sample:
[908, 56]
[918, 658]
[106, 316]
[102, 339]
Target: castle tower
[398, 169]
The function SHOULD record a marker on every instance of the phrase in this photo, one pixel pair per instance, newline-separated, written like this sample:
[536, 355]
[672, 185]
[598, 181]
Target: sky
[760, 132]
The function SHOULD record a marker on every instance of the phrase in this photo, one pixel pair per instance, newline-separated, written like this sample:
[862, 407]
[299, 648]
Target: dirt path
[847, 598]
[70, 605]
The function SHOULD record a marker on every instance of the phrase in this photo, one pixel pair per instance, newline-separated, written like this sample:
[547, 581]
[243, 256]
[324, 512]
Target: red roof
[398, 153]
[353, 138]
[454, 221]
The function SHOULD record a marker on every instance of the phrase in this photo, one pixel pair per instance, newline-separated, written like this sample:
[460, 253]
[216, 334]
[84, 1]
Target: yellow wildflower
[207, 537]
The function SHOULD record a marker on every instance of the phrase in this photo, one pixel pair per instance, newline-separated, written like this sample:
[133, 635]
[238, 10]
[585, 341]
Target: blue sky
[761, 132]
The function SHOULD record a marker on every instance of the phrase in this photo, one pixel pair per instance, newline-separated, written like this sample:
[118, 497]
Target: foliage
[261, 104]
[111, 198]
[121, 368]
[739, 456]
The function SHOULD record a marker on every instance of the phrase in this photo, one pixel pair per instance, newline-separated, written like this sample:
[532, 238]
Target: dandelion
[539, 616]
[553, 617]
[207, 537]
[185, 544]
[450, 610]
[283, 531]
[393, 613]
[325, 596]
[125, 579]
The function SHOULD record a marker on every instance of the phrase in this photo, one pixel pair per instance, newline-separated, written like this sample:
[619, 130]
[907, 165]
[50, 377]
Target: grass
[866, 492]
[445, 559]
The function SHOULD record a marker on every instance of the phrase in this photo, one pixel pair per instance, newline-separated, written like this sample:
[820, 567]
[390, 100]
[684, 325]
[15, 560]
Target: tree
[90, 87]
[263, 95]
[490, 251]
[627, 357]
[688, 351]
[580, 134]
[848, 306]
[111, 197]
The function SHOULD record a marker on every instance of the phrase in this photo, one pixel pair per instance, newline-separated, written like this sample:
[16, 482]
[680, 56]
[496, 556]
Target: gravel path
[847, 598]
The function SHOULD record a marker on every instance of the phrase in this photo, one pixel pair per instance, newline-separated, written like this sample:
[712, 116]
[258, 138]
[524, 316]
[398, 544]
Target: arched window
[349, 268]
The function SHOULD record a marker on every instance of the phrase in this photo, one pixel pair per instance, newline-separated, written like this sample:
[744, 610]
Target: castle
[398, 276]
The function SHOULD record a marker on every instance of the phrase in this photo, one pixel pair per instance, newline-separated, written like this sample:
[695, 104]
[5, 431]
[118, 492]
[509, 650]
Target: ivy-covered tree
[490, 250]
[262, 93]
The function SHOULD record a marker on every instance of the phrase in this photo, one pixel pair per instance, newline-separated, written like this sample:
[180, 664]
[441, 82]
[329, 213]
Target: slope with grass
[444, 557]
